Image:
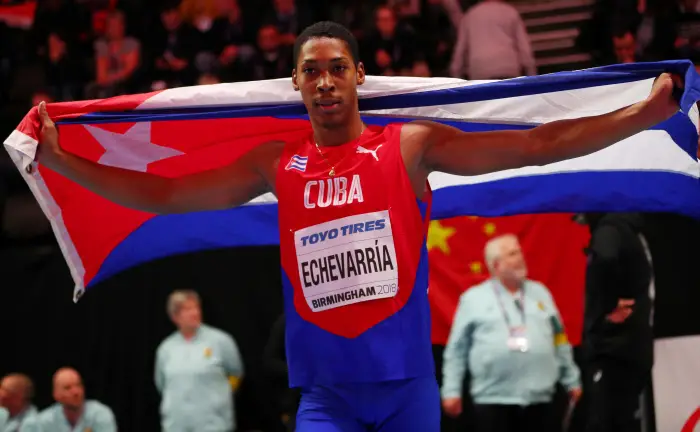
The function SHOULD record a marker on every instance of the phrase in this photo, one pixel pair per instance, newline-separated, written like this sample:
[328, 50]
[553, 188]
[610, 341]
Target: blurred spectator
[624, 14]
[65, 68]
[656, 33]
[16, 393]
[230, 41]
[625, 47]
[618, 337]
[438, 34]
[405, 9]
[356, 16]
[688, 29]
[39, 96]
[71, 411]
[208, 79]
[507, 332]
[454, 10]
[414, 10]
[177, 44]
[197, 370]
[391, 49]
[273, 60]
[8, 55]
[690, 6]
[199, 13]
[492, 43]
[289, 19]
[117, 59]
[421, 69]
[70, 20]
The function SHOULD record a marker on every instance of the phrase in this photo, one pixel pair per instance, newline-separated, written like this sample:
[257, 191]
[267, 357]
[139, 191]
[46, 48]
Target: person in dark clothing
[391, 49]
[230, 42]
[275, 361]
[272, 60]
[618, 333]
[176, 44]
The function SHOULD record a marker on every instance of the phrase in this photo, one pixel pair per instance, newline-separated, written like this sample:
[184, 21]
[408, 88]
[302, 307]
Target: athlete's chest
[353, 176]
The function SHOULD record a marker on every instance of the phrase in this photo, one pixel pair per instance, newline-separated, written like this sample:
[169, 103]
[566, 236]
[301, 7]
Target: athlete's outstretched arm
[211, 190]
[450, 150]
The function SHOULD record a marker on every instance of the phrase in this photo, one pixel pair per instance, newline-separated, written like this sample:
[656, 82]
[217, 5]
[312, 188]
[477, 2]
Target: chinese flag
[553, 246]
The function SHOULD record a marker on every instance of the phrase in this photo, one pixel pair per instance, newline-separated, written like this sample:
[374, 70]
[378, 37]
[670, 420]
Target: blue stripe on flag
[165, 235]
[572, 192]
[256, 225]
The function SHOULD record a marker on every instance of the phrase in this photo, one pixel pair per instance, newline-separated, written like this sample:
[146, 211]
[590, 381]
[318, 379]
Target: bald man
[507, 333]
[71, 412]
[16, 392]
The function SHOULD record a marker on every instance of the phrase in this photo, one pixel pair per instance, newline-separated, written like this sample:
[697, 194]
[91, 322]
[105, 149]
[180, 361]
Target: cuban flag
[179, 131]
[297, 163]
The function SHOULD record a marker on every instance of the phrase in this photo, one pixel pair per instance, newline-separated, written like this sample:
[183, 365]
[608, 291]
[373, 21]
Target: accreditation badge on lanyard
[517, 336]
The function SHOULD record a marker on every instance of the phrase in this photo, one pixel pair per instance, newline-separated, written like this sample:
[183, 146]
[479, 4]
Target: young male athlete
[354, 206]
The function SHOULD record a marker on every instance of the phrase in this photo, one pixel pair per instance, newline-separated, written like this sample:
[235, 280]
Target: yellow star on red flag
[489, 229]
[438, 236]
[475, 267]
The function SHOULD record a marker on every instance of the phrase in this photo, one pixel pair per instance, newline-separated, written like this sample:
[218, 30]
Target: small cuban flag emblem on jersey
[297, 163]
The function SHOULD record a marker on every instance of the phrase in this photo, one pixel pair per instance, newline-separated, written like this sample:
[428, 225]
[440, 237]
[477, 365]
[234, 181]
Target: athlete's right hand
[452, 406]
[48, 137]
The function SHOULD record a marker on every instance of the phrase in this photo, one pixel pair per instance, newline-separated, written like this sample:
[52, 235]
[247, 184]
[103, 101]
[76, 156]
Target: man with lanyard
[508, 333]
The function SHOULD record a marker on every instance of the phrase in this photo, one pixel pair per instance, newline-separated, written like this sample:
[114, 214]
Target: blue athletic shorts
[390, 406]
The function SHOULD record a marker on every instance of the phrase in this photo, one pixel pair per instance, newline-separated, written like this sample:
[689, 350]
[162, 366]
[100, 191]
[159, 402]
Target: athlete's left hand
[661, 103]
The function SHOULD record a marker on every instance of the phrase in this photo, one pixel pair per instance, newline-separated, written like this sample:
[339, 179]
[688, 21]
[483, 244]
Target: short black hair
[327, 29]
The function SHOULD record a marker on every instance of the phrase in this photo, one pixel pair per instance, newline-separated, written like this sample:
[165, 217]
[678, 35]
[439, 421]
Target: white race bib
[346, 261]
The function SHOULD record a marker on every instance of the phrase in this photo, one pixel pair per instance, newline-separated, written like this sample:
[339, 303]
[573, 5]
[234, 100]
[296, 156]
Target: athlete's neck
[335, 136]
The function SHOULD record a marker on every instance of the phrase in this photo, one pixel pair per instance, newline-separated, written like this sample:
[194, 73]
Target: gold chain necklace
[331, 166]
[332, 171]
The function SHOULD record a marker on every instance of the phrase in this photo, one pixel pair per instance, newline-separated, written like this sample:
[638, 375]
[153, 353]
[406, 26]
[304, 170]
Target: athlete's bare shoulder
[422, 133]
[415, 138]
[419, 135]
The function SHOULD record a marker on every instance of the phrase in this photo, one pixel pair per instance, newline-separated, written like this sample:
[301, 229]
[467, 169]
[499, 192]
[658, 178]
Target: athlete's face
[327, 78]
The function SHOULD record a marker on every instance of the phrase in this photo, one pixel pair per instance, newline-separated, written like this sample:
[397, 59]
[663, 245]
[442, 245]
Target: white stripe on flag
[19, 146]
[280, 90]
[652, 150]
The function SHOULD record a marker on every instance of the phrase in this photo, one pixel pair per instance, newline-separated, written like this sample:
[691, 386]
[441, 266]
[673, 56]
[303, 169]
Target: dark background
[111, 335]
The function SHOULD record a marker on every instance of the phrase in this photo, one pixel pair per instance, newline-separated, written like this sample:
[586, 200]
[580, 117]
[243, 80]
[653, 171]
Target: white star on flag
[132, 150]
